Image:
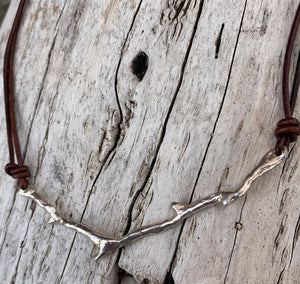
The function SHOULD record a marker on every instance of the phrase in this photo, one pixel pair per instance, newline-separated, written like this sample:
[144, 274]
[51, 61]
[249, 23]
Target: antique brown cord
[287, 129]
[19, 170]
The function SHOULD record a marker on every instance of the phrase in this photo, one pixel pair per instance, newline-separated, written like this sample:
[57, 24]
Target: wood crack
[40, 92]
[280, 277]
[34, 115]
[218, 41]
[279, 281]
[45, 255]
[234, 242]
[67, 259]
[212, 135]
[117, 141]
[279, 235]
[283, 168]
[295, 238]
[164, 128]
[25, 152]
[32, 212]
[45, 139]
[4, 5]
[59, 17]
[8, 218]
[21, 250]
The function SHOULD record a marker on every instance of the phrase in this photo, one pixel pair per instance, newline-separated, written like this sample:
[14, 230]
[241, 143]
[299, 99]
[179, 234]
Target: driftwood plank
[259, 234]
[113, 150]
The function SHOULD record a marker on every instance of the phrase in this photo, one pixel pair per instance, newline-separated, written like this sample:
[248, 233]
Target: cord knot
[287, 131]
[18, 172]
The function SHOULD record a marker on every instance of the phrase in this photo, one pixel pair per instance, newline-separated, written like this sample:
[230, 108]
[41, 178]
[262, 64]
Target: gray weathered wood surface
[114, 151]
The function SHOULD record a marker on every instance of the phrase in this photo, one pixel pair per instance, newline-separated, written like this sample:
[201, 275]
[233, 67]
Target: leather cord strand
[288, 129]
[16, 170]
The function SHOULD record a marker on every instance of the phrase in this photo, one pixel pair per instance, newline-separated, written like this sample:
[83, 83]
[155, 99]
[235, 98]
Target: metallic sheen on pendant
[109, 244]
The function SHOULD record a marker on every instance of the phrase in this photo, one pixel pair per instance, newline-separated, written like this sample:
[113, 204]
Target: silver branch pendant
[182, 211]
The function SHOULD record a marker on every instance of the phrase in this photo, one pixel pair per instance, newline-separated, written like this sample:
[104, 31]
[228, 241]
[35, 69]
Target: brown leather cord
[288, 128]
[19, 170]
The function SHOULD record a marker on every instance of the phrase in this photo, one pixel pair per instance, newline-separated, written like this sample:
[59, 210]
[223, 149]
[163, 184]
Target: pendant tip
[103, 251]
[98, 255]
[106, 246]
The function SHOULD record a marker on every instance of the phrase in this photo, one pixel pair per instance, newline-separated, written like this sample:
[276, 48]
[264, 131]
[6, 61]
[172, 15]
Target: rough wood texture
[114, 151]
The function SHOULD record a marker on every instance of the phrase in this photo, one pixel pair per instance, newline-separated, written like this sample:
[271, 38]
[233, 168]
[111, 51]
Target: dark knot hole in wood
[139, 65]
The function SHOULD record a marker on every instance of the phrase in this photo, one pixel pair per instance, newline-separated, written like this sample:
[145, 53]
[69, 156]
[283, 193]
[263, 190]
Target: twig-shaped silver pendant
[183, 211]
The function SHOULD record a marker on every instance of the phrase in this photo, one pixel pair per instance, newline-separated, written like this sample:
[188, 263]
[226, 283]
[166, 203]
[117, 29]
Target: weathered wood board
[115, 151]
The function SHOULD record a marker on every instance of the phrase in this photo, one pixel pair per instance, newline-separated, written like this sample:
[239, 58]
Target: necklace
[286, 132]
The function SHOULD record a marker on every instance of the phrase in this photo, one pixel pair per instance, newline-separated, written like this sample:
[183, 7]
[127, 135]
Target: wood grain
[114, 151]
